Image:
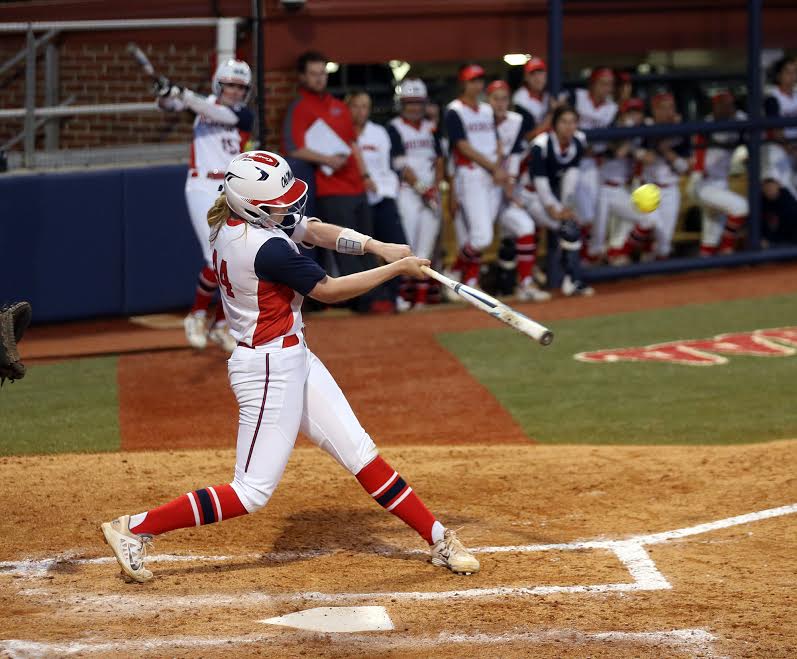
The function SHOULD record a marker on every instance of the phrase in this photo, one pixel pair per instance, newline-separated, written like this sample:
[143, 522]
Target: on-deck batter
[280, 385]
[221, 130]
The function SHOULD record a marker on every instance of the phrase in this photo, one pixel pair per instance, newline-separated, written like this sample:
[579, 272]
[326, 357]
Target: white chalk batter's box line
[631, 552]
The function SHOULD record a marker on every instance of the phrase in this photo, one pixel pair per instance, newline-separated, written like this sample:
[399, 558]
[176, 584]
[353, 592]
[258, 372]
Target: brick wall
[280, 90]
[99, 70]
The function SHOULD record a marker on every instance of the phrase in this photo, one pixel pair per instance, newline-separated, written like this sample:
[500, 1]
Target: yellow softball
[647, 197]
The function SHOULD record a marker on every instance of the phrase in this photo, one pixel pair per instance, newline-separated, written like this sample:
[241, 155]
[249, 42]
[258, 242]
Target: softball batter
[221, 129]
[280, 385]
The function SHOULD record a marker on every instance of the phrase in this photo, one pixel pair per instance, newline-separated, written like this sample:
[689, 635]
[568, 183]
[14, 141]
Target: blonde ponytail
[218, 214]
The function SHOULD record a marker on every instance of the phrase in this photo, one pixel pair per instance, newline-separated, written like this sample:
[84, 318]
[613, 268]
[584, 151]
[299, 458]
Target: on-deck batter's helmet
[413, 89]
[262, 190]
[232, 71]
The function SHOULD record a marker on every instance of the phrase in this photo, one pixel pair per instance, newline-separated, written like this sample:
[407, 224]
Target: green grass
[557, 399]
[70, 406]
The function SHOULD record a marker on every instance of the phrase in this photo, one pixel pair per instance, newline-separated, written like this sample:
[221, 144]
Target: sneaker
[573, 287]
[402, 305]
[129, 548]
[196, 330]
[220, 335]
[530, 293]
[451, 553]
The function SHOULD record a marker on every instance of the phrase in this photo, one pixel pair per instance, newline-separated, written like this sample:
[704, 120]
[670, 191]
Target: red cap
[495, 85]
[722, 94]
[660, 97]
[602, 72]
[632, 104]
[535, 64]
[623, 76]
[471, 73]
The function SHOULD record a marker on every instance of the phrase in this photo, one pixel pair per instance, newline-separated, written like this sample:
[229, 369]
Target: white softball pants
[664, 219]
[421, 224]
[200, 195]
[587, 191]
[617, 214]
[717, 202]
[479, 202]
[281, 391]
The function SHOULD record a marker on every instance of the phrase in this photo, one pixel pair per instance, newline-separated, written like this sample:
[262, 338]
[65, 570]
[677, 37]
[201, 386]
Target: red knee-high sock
[472, 259]
[220, 317]
[639, 239]
[205, 506]
[385, 485]
[526, 250]
[733, 225]
[708, 250]
[205, 290]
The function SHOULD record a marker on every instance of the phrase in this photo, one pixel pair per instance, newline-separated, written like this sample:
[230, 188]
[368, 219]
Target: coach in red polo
[340, 196]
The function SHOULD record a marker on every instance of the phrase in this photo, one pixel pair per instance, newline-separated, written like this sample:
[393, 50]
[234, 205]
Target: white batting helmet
[235, 71]
[413, 90]
[262, 190]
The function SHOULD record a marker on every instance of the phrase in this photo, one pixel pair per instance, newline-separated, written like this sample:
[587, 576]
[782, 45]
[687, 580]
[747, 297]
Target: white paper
[320, 137]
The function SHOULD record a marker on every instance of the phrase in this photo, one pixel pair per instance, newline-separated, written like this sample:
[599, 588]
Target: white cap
[413, 90]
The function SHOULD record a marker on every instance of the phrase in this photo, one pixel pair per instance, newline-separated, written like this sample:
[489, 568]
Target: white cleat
[221, 336]
[530, 293]
[402, 305]
[451, 553]
[196, 330]
[129, 548]
[575, 288]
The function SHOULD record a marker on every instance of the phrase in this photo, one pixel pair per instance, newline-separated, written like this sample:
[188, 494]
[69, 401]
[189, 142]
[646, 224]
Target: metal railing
[38, 117]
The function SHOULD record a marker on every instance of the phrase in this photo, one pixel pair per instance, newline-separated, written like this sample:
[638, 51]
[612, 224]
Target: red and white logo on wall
[776, 342]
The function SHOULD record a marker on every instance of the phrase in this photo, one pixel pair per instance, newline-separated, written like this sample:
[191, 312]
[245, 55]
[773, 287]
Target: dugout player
[724, 211]
[479, 173]
[417, 155]
[596, 109]
[665, 160]
[531, 99]
[280, 385]
[222, 128]
[779, 156]
[520, 240]
[549, 191]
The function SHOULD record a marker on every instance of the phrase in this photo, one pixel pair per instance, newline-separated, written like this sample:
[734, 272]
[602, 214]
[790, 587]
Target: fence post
[52, 128]
[553, 268]
[30, 99]
[754, 105]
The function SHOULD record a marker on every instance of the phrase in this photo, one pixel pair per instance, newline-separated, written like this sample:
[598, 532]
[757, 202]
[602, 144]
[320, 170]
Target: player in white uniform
[779, 157]
[381, 182]
[724, 211]
[665, 161]
[520, 243]
[417, 155]
[280, 385]
[480, 175]
[221, 130]
[596, 109]
[617, 213]
[531, 99]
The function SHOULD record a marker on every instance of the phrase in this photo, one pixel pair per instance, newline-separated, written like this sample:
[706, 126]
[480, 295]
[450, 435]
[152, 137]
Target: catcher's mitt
[14, 320]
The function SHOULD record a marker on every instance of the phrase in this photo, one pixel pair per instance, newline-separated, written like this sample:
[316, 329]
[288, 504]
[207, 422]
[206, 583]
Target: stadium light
[332, 67]
[517, 59]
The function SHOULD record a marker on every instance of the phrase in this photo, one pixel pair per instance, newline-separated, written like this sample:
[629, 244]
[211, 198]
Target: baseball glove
[14, 320]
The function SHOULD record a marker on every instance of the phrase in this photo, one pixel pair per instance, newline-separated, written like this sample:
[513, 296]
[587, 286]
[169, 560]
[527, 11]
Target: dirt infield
[725, 590]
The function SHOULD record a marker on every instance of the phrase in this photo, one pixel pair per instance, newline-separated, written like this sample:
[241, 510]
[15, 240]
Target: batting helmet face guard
[262, 190]
[232, 71]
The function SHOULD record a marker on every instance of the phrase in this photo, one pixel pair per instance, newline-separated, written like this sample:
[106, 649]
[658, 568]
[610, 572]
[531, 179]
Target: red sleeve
[346, 125]
[700, 153]
[294, 127]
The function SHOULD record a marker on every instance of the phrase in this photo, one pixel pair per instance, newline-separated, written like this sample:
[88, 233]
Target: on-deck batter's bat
[143, 60]
[495, 308]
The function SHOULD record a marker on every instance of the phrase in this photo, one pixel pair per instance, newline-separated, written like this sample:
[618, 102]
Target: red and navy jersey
[262, 279]
[780, 104]
[215, 144]
[549, 160]
[475, 125]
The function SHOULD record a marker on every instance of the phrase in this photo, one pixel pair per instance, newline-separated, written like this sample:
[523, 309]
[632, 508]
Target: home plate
[337, 619]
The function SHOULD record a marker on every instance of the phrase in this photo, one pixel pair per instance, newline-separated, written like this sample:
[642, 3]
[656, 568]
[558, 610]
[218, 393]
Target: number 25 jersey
[215, 144]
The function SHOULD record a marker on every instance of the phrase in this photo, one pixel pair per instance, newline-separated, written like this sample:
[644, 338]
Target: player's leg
[667, 219]
[389, 229]
[426, 240]
[636, 227]
[476, 197]
[330, 423]
[728, 211]
[199, 197]
[597, 239]
[518, 224]
[269, 387]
